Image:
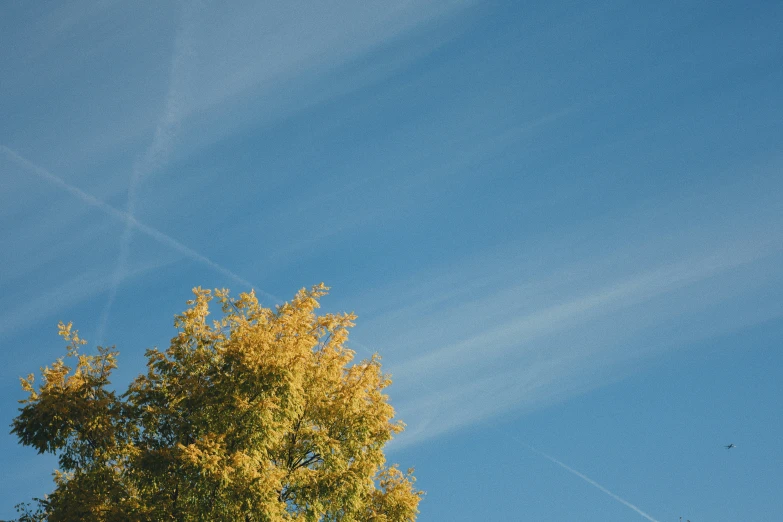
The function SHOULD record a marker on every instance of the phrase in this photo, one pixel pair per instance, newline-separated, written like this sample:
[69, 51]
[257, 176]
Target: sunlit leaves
[251, 414]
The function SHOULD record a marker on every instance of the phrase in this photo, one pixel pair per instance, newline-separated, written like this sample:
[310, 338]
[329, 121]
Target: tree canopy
[257, 415]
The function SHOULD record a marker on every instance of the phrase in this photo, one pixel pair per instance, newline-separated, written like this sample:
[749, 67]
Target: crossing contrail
[127, 218]
[590, 481]
[152, 159]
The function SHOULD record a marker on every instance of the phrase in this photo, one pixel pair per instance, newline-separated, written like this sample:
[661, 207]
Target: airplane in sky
[729, 446]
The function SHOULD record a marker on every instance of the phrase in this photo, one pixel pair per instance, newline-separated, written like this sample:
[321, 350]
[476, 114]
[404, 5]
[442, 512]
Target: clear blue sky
[560, 224]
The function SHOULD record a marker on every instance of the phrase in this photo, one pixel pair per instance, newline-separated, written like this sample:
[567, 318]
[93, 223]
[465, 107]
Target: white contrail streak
[587, 479]
[155, 155]
[66, 294]
[126, 218]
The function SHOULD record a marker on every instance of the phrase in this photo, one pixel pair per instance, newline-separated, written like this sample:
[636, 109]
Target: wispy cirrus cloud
[473, 349]
[616, 295]
[261, 62]
[124, 217]
[561, 351]
[260, 51]
[68, 293]
[155, 156]
[260, 47]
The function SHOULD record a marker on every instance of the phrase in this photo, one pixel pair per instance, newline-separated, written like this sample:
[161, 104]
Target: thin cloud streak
[285, 58]
[613, 296]
[124, 217]
[261, 49]
[181, 100]
[531, 384]
[578, 342]
[153, 158]
[590, 481]
[66, 294]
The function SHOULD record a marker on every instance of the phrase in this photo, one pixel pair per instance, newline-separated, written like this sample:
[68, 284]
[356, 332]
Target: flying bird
[729, 446]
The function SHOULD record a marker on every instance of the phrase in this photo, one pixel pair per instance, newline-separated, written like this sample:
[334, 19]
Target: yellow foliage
[256, 415]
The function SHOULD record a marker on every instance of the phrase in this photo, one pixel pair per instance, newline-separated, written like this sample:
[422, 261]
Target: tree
[259, 415]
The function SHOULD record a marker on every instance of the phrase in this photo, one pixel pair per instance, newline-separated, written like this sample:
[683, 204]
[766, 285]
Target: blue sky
[561, 225]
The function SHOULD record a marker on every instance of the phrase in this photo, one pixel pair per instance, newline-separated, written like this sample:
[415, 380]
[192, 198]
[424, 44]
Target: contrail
[128, 219]
[65, 294]
[152, 159]
[587, 479]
